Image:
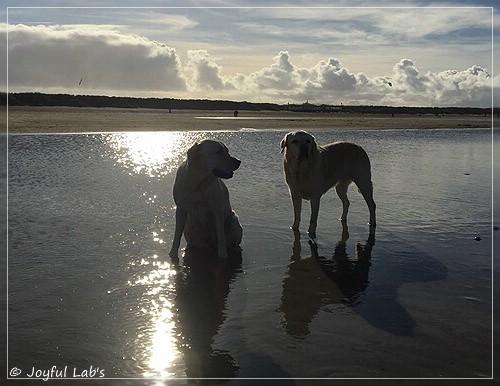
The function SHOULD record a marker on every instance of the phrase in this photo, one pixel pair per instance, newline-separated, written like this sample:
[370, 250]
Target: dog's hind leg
[234, 231]
[341, 189]
[366, 189]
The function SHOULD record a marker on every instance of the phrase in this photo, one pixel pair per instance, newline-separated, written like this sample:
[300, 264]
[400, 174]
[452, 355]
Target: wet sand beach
[27, 119]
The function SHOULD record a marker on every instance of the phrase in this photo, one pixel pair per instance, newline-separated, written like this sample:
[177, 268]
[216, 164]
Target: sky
[412, 53]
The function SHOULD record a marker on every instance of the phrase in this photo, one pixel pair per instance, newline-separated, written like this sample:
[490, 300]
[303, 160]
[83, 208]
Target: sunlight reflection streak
[152, 153]
[163, 345]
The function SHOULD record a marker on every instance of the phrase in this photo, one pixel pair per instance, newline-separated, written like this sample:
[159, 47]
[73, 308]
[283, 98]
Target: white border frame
[9, 377]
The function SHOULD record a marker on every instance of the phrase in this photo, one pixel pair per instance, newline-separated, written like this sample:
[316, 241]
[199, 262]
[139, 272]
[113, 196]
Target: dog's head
[212, 156]
[299, 146]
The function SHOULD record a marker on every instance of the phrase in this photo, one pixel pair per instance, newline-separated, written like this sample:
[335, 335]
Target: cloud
[431, 21]
[389, 20]
[470, 87]
[408, 76]
[330, 75]
[174, 23]
[281, 75]
[205, 72]
[110, 61]
[329, 82]
[59, 56]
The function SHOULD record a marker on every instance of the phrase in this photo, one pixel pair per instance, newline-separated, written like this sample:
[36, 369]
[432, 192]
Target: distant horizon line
[3, 101]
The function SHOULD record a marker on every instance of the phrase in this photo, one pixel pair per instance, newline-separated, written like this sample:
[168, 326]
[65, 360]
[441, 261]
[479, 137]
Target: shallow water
[91, 219]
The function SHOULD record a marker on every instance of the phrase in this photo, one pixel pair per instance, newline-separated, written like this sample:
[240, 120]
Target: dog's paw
[312, 237]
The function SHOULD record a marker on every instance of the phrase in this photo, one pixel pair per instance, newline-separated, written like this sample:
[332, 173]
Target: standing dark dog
[311, 170]
[203, 211]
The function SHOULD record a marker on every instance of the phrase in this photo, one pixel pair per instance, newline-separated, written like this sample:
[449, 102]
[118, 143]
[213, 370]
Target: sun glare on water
[152, 153]
[160, 340]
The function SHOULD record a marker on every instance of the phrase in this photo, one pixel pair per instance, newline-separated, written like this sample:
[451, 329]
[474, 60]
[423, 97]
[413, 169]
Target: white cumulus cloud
[206, 73]
[469, 87]
[329, 82]
[57, 57]
[281, 75]
[54, 58]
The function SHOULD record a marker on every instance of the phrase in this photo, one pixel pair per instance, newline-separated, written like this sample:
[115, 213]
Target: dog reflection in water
[316, 281]
[202, 287]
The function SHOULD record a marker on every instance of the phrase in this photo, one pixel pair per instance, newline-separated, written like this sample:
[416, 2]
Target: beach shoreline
[46, 120]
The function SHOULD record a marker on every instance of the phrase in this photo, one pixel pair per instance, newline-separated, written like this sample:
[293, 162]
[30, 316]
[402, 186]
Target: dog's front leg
[313, 223]
[221, 234]
[180, 224]
[297, 208]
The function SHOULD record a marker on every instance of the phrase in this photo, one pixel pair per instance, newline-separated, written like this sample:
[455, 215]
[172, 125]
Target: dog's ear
[314, 148]
[193, 152]
[284, 142]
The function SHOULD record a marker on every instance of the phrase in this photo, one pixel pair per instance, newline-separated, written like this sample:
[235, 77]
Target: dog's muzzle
[226, 174]
[236, 163]
[303, 154]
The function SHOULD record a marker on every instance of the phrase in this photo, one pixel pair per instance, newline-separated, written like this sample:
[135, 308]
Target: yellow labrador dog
[203, 211]
[311, 170]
